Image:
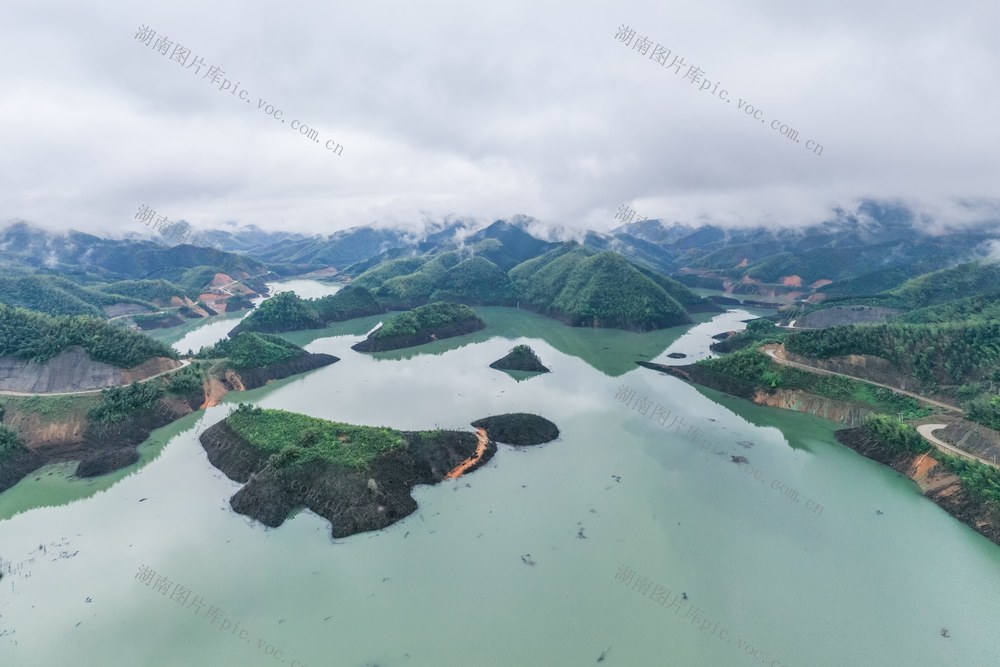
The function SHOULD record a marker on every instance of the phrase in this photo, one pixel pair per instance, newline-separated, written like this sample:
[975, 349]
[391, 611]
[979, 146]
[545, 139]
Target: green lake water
[628, 509]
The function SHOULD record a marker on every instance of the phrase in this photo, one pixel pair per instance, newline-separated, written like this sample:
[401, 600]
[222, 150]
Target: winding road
[184, 363]
[772, 352]
[925, 430]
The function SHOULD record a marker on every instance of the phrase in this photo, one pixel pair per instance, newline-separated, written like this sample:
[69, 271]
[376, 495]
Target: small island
[519, 428]
[521, 358]
[423, 324]
[359, 478]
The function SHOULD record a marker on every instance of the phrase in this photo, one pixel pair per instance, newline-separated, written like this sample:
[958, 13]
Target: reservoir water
[622, 515]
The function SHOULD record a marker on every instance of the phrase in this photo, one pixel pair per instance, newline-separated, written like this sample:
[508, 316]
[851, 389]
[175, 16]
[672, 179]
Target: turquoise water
[794, 567]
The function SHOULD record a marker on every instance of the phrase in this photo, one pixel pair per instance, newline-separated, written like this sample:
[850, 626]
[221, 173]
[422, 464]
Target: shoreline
[942, 487]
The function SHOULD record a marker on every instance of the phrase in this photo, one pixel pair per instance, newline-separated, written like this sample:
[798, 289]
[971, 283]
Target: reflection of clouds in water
[457, 386]
[695, 342]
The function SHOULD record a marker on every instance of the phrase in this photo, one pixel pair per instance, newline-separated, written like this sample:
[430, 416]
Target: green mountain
[947, 285]
[581, 288]
[475, 281]
[967, 291]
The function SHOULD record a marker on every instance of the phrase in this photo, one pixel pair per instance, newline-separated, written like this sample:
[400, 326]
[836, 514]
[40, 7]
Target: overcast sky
[469, 109]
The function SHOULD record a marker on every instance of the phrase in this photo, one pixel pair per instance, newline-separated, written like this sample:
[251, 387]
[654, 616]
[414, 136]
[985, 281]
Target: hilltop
[435, 321]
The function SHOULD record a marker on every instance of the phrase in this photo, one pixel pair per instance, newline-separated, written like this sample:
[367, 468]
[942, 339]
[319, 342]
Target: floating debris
[604, 654]
[739, 459]
[526, 558]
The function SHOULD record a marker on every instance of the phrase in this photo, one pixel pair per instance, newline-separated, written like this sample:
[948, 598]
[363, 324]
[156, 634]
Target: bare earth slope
[73, 370]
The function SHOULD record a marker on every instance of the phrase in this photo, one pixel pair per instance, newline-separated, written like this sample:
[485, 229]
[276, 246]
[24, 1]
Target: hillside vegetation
[252, 350]
[938, 356]
[55, 295]
[754, 370]
[600, 290]
[475, 281]
[286, 311]
[419, 319]
[980, 480]
[9, 442]
[29, 335]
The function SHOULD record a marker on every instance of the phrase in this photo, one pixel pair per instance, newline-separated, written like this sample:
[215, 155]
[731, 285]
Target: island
[250, 360]
[520, 358]
[423, 324]
[519, 428]
[359, 478]
[287, 311]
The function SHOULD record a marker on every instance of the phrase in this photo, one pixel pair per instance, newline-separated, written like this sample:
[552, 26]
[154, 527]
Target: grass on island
[295, 439]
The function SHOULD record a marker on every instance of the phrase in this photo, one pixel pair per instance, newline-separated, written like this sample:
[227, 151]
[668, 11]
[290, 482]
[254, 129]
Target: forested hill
[571, 283]
[84, 256]
[968, 291]
[947, 285]
[252, 350]
[584, 288]
[960, 358]
[287, 311]
[29, 335]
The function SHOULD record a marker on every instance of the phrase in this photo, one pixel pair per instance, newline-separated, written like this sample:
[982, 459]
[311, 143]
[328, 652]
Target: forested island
[520, 358]
[359, 478]
[435, 321]
[287, 311]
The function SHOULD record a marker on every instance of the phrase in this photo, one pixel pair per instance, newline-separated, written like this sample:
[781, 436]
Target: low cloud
[491, 111]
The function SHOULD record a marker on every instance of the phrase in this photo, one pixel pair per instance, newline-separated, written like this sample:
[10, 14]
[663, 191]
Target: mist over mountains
[881, 244]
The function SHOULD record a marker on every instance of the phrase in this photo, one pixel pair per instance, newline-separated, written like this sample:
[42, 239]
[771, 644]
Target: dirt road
[927, 430]
[184, 363]
[772, 352]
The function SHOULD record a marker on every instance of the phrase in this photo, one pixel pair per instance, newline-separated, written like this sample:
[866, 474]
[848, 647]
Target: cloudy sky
[469, 109]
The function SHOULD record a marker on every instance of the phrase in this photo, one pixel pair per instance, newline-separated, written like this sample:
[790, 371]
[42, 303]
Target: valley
[276, 420]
